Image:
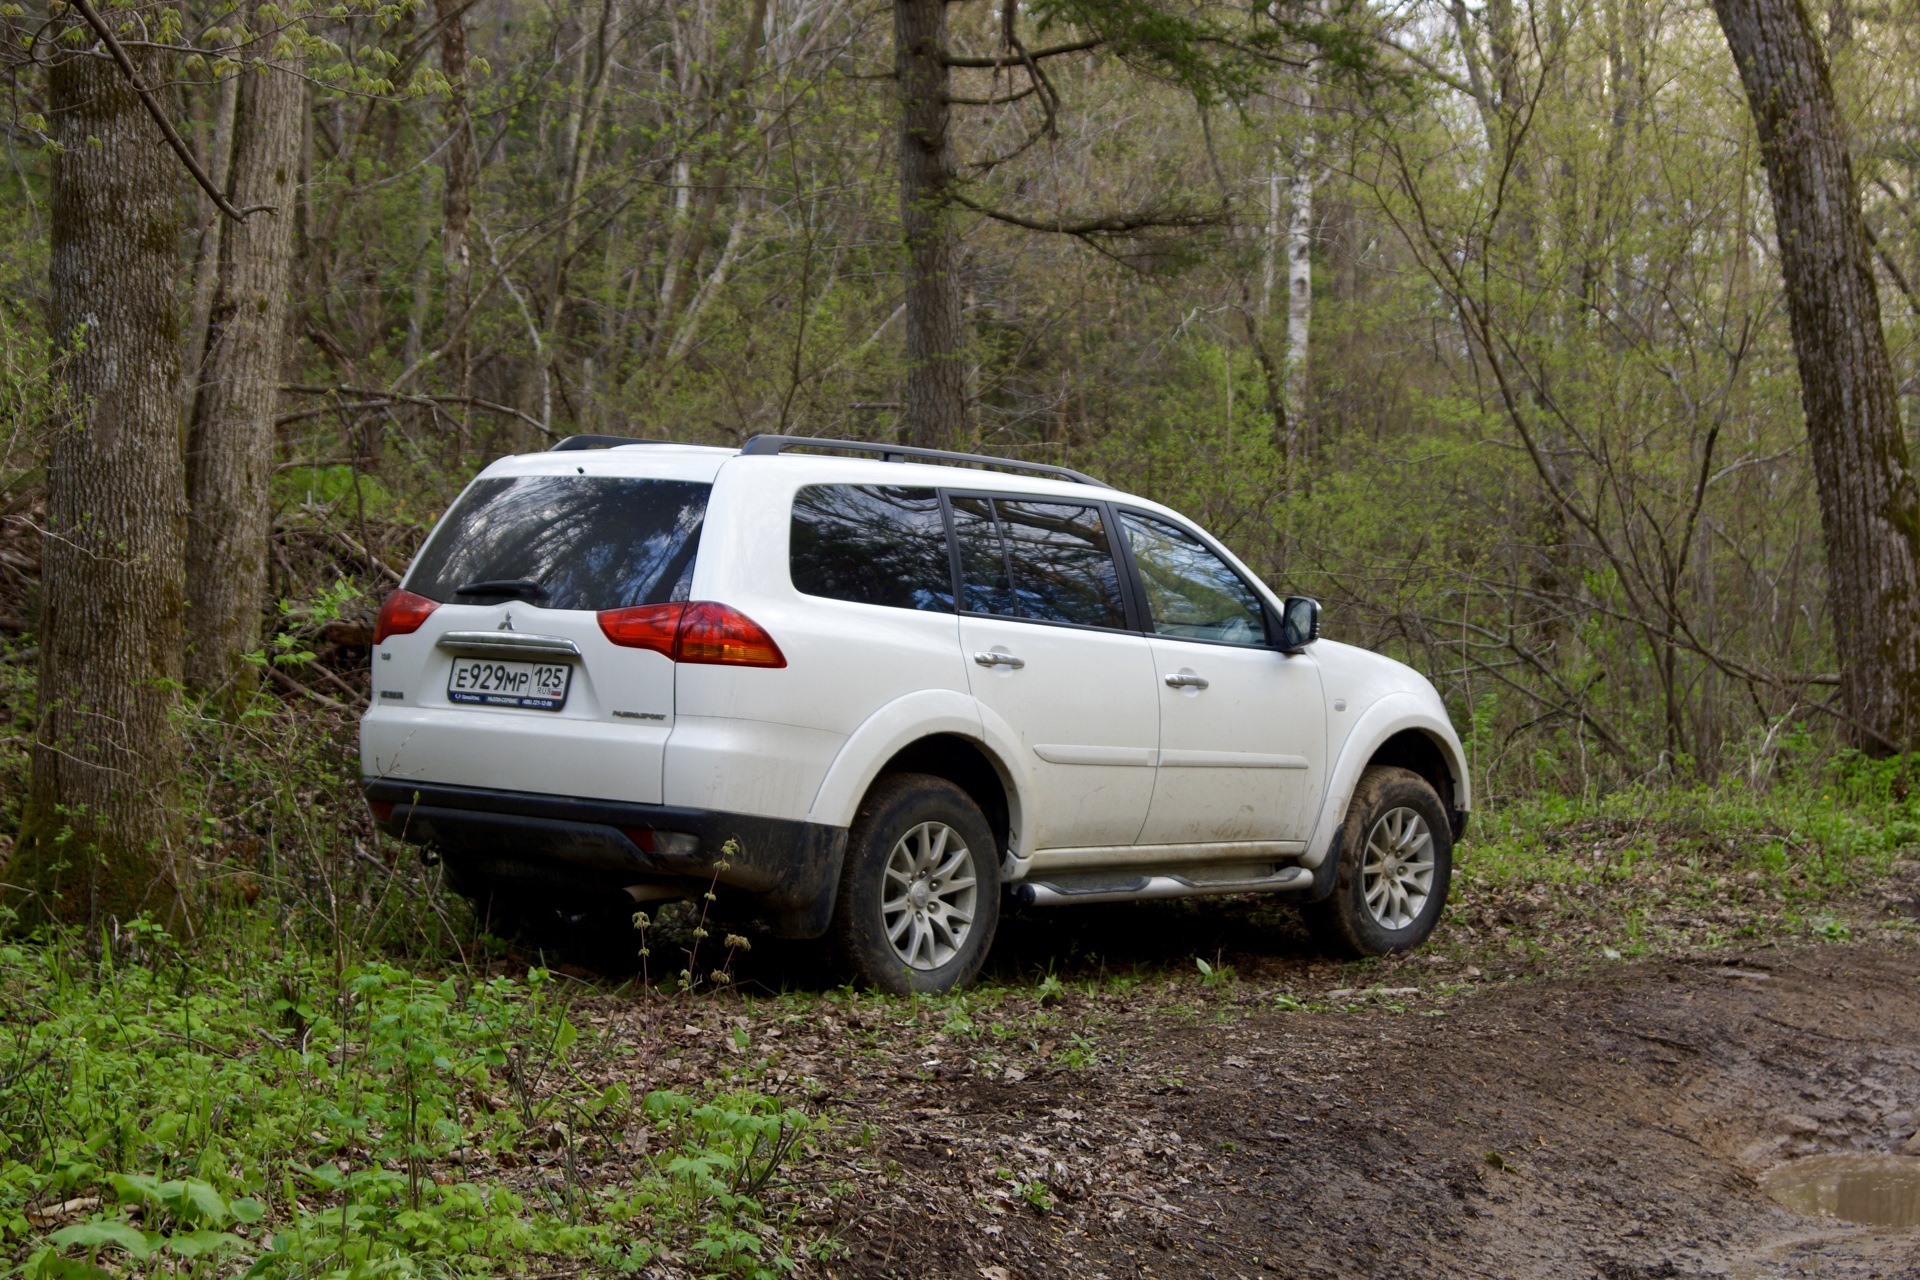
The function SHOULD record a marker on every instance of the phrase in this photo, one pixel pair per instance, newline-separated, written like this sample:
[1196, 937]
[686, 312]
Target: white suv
[871, 689]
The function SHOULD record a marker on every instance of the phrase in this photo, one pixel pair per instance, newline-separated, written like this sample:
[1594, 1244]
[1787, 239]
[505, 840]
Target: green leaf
[564, 1037]
[200, 1244]
[139, 1188]
[247, 1210]
[206, 1203]
[102, 1234]
[49, 1265]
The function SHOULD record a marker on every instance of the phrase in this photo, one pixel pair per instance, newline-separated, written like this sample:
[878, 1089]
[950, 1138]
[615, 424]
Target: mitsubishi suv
[871, 692]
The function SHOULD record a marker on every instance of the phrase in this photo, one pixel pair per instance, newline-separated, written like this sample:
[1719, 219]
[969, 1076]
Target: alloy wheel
[1396, 876]
[927, 898]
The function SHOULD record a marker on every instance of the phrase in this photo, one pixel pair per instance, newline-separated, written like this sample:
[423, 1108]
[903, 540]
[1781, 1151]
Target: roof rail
[574, 443]
[770, 445]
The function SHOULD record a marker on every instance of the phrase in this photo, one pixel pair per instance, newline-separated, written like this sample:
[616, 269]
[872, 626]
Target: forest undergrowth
[330, 1069]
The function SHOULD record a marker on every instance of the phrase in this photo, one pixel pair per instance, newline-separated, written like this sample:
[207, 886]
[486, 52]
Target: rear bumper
[523, 841]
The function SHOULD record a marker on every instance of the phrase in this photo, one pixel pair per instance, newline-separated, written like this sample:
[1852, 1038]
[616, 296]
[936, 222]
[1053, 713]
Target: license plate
[485, 682]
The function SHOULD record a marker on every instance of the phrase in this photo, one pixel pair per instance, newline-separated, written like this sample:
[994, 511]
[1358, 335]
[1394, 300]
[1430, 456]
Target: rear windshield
[565, 542]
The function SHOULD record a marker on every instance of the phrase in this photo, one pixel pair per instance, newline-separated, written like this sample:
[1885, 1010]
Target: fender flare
[901, 723]
[1394, 713]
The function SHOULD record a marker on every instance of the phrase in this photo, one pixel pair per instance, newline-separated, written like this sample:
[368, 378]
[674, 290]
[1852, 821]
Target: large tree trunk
[98, 829]
[936, 356]
[230, 440]
[456, 204]
[1869, 508]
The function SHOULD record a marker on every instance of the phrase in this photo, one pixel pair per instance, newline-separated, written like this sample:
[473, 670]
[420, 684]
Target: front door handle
[1184, 681]
[999, 660]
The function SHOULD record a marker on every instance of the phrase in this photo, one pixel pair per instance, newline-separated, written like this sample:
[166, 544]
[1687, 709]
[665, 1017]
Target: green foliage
[243, 1100]
[1653, 869]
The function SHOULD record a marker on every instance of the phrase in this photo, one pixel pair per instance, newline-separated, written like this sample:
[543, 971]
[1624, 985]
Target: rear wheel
[1396, 864]
[920, 891]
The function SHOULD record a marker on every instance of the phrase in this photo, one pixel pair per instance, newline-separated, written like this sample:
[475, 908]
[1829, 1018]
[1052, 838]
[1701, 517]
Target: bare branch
[1003, 60]
[1112, 224]
[374, 399]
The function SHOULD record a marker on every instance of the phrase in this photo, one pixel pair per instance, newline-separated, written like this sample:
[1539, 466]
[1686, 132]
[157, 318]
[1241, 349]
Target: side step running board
[1147, 888]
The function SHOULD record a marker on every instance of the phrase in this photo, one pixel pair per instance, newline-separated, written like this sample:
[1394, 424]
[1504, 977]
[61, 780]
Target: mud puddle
[1879, 1190]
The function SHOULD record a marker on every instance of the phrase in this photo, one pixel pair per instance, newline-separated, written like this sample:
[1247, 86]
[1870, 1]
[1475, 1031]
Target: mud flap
[1323, 875]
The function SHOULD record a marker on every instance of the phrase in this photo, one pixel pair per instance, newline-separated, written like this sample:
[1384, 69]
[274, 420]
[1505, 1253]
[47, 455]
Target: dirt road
[1441, 1122]
[1607, 1126]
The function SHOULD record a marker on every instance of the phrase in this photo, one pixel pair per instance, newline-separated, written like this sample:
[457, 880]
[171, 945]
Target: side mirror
[1299, 623]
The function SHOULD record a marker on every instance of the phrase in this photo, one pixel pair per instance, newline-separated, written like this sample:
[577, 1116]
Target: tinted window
[1046, 560]
[984, 585]
[1191, 592]
[589, 542]
[872, 544]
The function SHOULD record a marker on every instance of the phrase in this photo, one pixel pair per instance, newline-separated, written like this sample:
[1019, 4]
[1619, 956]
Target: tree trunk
[457, 159]
[206, 259]
[1300, 297]
[97, 832]
[936, 396]
[456, 203]
[230, 440]
[1869, 509]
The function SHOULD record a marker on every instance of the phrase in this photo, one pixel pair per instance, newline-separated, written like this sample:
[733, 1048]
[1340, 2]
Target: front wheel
[1396, 863]
[920, 890]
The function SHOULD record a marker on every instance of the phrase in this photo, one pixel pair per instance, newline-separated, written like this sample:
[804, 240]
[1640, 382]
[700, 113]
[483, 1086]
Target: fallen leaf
[52, 1215]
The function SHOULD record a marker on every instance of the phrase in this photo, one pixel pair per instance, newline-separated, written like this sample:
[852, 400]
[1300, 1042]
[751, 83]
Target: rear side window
[871, 544]
[1048, 561]
[582, 542]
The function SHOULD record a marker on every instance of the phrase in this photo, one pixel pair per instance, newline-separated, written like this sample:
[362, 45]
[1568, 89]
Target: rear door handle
[1186, 682]
[986, 659]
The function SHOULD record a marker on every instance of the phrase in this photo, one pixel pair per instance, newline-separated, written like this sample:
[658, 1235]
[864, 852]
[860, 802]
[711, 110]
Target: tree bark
[936, 394]
[457, 160]
[1300, 296]
[206, 260]
[230, 439]
[1869, 508]
[456, 202]
[98, 829]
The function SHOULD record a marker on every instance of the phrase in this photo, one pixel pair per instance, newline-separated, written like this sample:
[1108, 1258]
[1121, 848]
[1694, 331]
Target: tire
[1382, 853]
[897, 923]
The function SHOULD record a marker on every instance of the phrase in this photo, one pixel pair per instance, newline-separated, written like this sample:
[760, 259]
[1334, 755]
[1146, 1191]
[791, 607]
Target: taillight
[647, 626]
[382, 810]
[725, 637]
[402, 615]
[703, 632]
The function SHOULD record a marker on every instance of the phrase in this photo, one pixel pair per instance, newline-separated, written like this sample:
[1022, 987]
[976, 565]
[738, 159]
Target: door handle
[999, 660]
[1186, 682]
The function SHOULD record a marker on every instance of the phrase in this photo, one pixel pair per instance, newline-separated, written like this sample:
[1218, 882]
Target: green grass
[244, 1105]
[1646, 869]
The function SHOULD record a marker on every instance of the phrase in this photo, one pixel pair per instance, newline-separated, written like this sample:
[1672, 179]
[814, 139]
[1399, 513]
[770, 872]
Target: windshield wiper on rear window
[513, 588]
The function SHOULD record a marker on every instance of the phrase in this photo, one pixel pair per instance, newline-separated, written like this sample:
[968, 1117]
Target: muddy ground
[1419, 1117]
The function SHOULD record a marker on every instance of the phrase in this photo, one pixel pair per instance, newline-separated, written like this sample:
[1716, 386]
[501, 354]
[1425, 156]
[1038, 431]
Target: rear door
[510, 683]
[1044, 634]
[1242, 725]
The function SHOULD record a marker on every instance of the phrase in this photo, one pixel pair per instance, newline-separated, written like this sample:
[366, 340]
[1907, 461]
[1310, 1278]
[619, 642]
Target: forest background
[1468, 319]
[1300, 315]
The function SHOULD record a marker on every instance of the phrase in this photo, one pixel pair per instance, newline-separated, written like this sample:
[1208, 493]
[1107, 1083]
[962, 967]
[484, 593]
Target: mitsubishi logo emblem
[507, 623]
